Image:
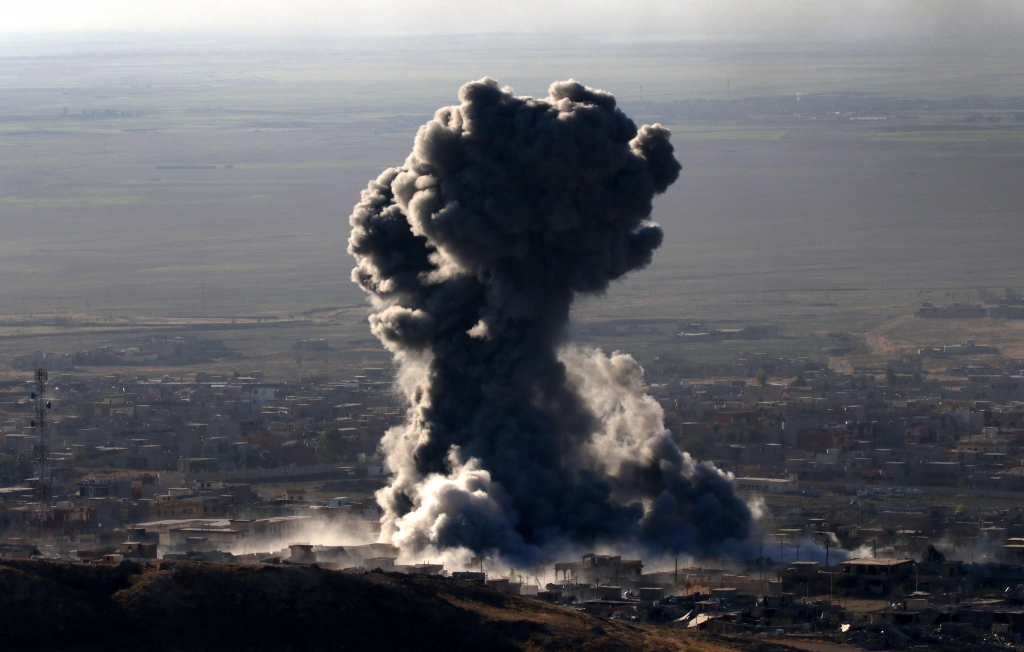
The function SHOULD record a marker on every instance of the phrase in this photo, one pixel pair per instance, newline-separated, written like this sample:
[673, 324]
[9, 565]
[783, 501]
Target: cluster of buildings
[849, 467]
[855, 429]
[921, 602]
[869, 463]
[126, 449]
[1010, 309]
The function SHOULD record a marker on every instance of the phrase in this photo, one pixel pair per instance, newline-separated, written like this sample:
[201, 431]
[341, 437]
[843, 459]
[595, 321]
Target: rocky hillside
[222, 607]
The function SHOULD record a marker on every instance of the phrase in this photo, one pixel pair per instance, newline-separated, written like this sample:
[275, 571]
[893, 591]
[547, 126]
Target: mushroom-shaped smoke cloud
[473, 251]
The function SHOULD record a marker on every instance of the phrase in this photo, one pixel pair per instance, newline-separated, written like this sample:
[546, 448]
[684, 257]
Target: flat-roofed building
[879, 575]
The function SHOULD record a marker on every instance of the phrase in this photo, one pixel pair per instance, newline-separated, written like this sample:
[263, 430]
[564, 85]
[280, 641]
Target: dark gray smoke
[472, 252]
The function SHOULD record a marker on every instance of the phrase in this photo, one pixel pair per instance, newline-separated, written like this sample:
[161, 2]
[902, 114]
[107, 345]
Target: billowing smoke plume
[473, 251]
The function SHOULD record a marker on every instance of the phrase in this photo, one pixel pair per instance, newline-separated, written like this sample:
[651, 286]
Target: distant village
[862, 478]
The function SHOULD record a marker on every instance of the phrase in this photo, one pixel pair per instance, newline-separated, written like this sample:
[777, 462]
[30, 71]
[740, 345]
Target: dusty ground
[908, 333]
[879, 340]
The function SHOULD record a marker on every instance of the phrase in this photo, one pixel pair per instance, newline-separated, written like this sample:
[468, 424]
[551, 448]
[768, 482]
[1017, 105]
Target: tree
[696, 447]
[266, 459]
[752, 435]
[762, 377]
[890, 376]
[331, 446]
[888, 535]
[933, 555]
[24, 466]
[918, 378]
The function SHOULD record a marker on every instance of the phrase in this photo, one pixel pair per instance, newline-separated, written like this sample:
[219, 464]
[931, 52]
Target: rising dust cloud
[517, 444]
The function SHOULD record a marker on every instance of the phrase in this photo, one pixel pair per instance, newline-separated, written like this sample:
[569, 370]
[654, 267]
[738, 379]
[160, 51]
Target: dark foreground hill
[201, 606]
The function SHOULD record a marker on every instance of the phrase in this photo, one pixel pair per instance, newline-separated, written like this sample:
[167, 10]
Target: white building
[768, 485]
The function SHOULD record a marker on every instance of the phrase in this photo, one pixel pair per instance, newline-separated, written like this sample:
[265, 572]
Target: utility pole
[760, 564]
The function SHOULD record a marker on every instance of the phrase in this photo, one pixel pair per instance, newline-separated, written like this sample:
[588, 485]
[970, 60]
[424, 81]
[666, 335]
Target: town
[464, 326]
[891, 498]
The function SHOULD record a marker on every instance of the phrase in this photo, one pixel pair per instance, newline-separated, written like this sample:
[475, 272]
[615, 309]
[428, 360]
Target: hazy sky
[627, 18]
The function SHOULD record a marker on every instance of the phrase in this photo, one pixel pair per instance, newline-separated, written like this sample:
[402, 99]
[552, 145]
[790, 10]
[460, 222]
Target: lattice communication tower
[44, 512]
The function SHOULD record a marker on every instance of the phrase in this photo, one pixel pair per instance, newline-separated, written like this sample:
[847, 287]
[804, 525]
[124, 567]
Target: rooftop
[868, 561]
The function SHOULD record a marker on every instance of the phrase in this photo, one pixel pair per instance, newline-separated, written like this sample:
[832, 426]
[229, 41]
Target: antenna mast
[44, 512]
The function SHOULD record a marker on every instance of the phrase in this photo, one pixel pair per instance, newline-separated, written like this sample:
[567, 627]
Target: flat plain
[207, 185]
